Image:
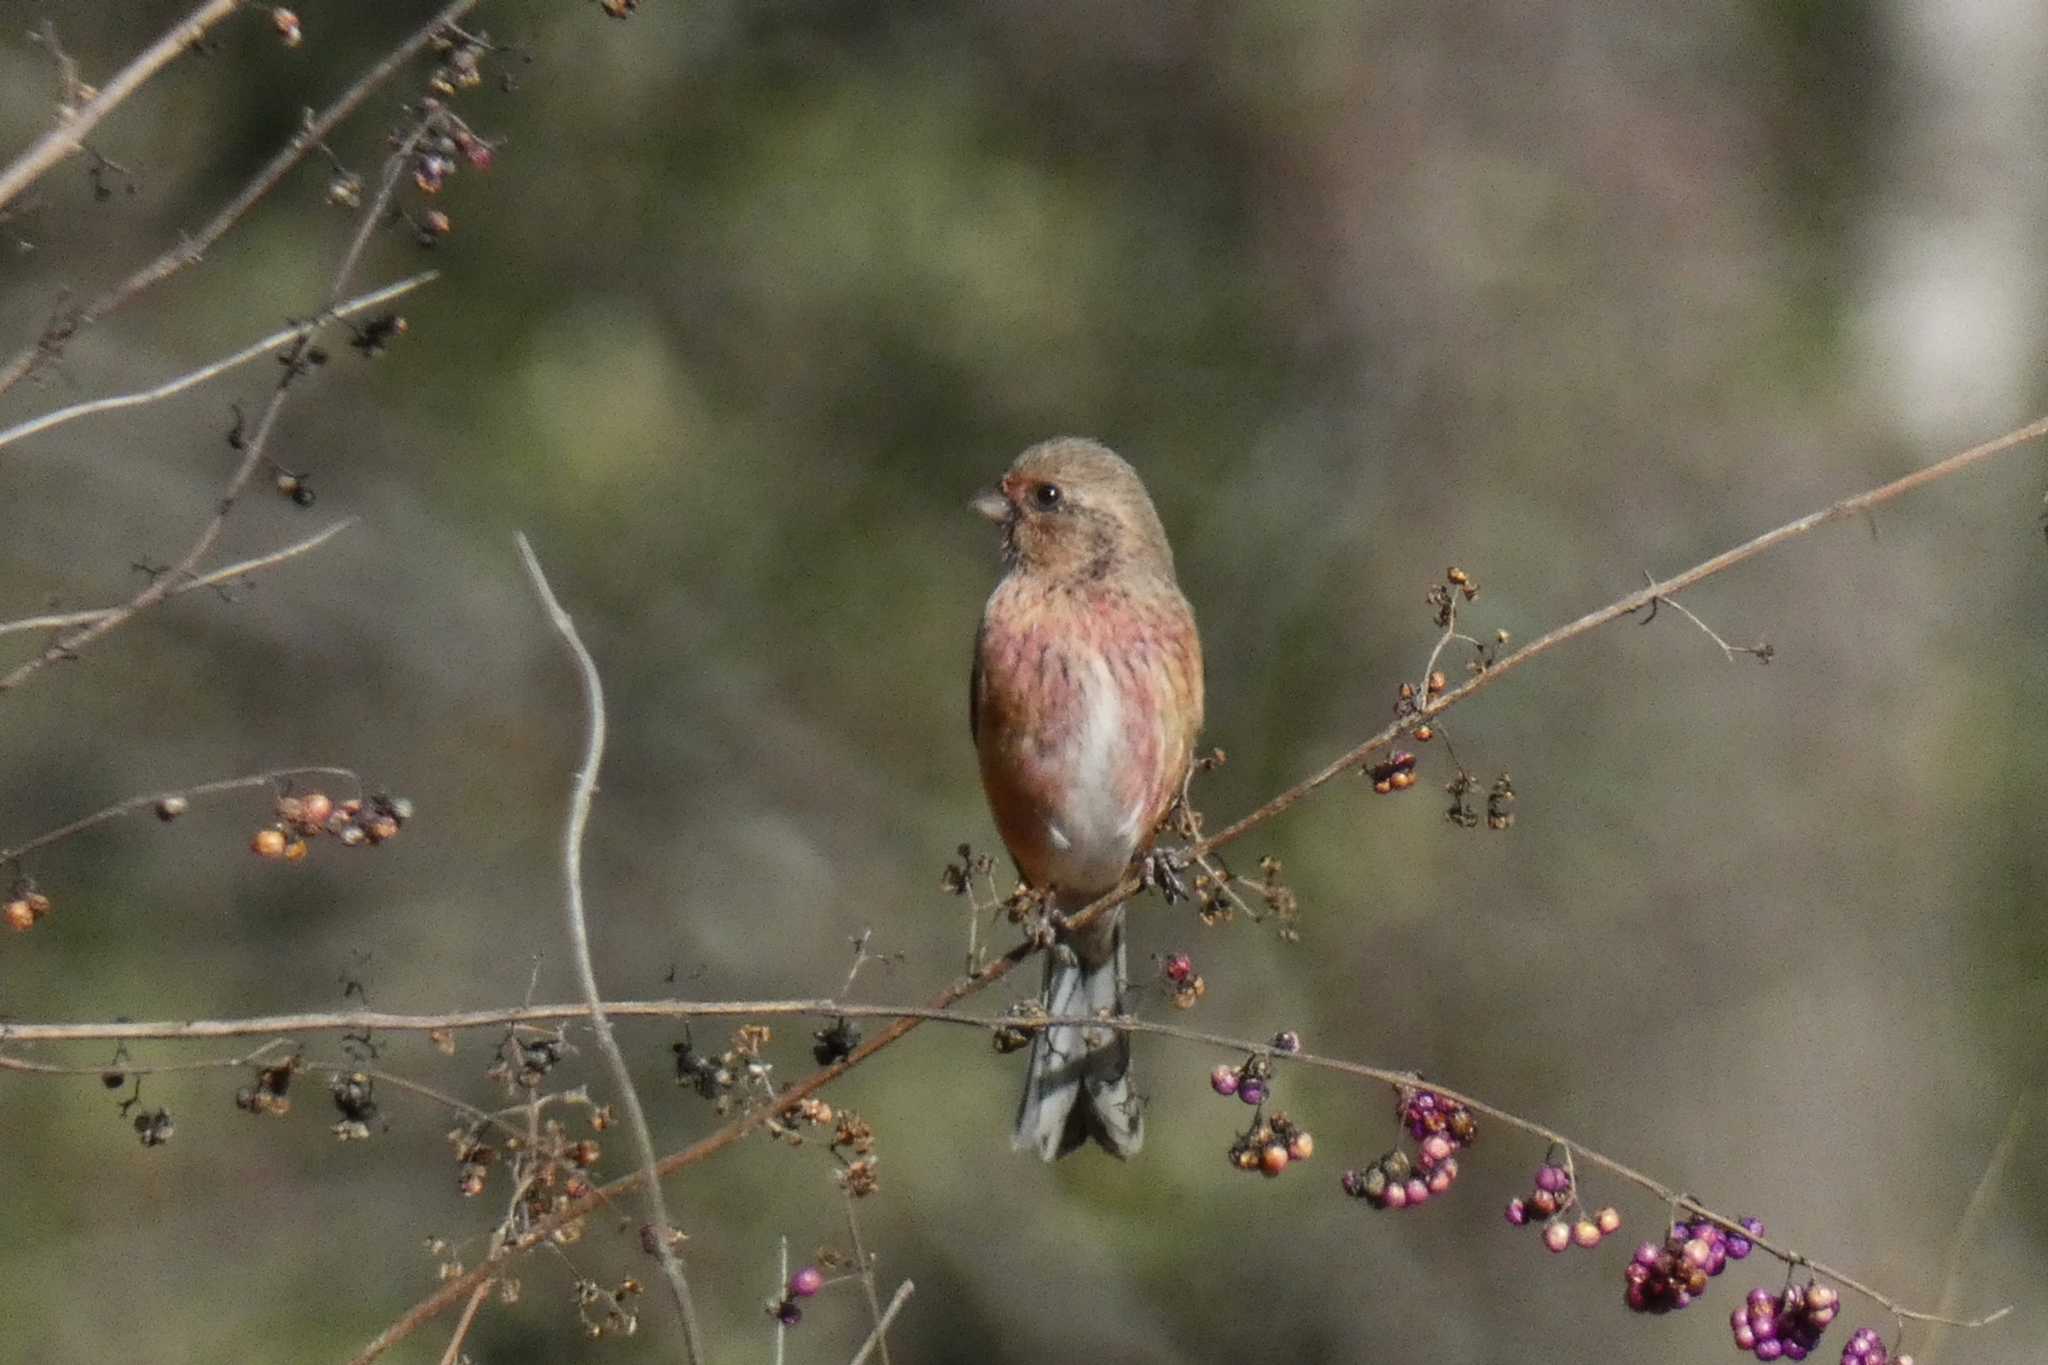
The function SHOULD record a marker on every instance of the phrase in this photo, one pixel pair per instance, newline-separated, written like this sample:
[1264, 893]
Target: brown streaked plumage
[1085, 703]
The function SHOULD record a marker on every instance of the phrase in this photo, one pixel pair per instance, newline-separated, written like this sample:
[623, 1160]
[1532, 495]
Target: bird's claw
[1160, 870]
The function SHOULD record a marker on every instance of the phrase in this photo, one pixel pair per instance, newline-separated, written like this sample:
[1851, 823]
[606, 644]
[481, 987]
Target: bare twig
[453, 1355]
[1973, 1215]
[579, 944]
[150, 802]
[64, 620]
[73, 125]
[191, 249]
[782, 1287]
[68, 645]
[878, 1341]
[896, 1302]
[253, 351]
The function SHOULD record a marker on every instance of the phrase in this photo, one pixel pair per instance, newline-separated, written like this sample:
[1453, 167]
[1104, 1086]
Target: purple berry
[1769, 1348]
[788, 1314]
[1287, 1040]
[807, 1282]
[1551, 1179]
[1418, 1190]
[1518, 1212]
[1223, 1080]
[1252, 1090]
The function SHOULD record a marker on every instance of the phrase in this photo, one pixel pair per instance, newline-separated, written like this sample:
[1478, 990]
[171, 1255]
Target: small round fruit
[806, 1282]
[19, 917]
[1273, 1159]
[1586, 1233]
[1609, 1221]
[1301, 1146]
[1223, 1080]
[1556, 1237]
[268, 843]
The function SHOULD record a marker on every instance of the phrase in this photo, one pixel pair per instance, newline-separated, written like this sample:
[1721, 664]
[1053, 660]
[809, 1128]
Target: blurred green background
[756, 295]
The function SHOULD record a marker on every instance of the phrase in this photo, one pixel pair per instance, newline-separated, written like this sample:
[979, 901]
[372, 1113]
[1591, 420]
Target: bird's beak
[991, 503]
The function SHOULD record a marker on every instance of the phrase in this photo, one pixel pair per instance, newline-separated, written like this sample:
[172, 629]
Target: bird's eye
[1047, 495]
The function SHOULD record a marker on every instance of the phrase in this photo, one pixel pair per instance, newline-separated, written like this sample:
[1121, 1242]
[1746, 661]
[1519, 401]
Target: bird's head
[1073, 508]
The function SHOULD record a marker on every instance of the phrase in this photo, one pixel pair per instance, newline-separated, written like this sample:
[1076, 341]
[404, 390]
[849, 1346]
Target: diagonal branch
[68, 645]
[191, 249]
[445, 1296]
[68, 137]
[579, 943]
[65, 620]
[253, 351]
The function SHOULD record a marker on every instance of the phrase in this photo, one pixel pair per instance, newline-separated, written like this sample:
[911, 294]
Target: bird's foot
[1161, 870]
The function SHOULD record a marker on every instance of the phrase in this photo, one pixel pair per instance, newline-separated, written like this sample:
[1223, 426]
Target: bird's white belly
[1095, 829]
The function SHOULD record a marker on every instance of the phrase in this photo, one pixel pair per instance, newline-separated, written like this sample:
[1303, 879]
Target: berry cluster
[1183, 980]
[1866, 1347]
[802, 1285]
[353, 823]
[1789, 1325]
[1397, 774]
[268, 1094]
[1667, 1277]
[24, 908]
[1566, 1220]
[1441, 1128]
[1251, 1082]
[355, 1096]
[1269, 1145]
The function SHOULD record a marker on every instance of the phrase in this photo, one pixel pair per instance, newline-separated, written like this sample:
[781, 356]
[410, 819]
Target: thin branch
[65, 620]
[453, 1354]
[867, 1283]
[68, 137]
[151, 802]
[69, 645]
[896, 1302]
[254, 351]
[192, 249]
[782, 1287]
[1635, 601]
[685, 1009]
[579, 943]
[1973, 1215]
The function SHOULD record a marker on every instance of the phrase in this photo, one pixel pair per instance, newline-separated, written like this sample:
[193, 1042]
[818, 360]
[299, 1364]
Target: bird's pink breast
[1087, 709]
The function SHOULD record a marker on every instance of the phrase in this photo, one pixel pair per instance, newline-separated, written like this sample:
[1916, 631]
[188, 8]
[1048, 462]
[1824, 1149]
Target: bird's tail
[1078, 1085]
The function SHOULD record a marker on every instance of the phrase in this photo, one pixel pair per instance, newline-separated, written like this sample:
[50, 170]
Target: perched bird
[1084, 705]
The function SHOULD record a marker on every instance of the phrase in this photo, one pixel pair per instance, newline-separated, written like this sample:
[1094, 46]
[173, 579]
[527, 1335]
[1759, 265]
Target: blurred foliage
[755, 296]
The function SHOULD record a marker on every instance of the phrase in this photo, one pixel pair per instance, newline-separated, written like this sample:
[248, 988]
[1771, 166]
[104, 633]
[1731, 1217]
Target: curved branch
[579, 944]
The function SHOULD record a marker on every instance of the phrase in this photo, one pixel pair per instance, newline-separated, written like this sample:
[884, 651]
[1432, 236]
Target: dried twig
[68, 645]
[154, 799]
[878, 1341]
[68, 137]
[874, 1341]
[66, 620]
[253, 351]
[579, 943]
[453, 1355]
[192, 249]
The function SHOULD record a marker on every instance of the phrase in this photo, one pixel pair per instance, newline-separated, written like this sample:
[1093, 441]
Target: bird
[1084, 703]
